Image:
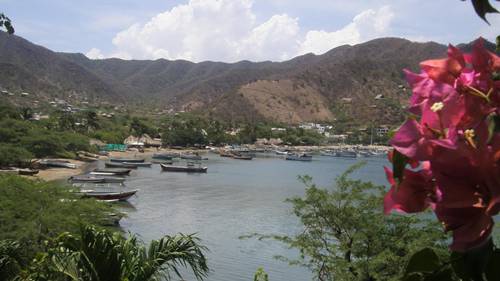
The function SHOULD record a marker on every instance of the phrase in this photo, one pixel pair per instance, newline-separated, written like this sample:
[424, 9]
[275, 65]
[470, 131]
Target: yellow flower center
[469, 134]
[437, 106]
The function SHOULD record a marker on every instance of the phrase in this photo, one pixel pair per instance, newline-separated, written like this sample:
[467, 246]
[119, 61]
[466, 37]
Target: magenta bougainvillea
[447, 154]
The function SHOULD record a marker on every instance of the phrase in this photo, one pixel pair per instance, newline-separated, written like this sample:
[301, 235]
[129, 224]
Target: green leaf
[425, 260]
[399, 162]
[493, 125]
[482, 7]
[492, 271]
[415, 276]
[471, 264]
[443, 275]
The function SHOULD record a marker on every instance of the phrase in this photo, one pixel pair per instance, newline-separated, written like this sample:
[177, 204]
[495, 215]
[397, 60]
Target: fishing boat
[299, 157]
[107, 196]
[346, 154]
[127, 160]
[9, 171]
[189, 168]
[144, 164]
[192, 157]
[113, 171]
[225, 154]
[167, 162]
[27, 172]
[121, 165]
[165, 156]
[242, 157]
[58, 163]
[95, 179]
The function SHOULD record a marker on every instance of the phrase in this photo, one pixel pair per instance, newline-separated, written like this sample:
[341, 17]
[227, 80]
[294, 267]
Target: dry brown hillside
[285, 102]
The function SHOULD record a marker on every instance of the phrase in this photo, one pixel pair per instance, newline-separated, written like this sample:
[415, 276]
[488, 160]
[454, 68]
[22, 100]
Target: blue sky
[232, 30]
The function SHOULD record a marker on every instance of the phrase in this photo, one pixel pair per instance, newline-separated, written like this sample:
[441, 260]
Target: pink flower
[414, 194]
[459, 156]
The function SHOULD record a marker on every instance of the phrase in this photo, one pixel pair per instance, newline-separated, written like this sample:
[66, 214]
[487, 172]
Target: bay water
[235, 198]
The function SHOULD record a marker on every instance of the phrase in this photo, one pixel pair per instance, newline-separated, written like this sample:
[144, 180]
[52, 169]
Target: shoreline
[55, 174]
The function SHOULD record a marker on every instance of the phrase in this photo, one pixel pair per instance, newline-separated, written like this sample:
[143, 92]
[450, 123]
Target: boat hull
[127, 160]
[120, 196]
[115, 171]
[186, 169]
[299, 158]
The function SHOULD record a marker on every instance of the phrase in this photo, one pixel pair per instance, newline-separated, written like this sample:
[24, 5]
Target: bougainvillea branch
[452, 146]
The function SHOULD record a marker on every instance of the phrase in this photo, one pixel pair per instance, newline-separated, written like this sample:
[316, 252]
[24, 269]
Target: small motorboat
[58, 163]
[242, 157]
[165, 156]
[127, 160]
[279, 152]
[96, 179]
[346, 154]
[167, 162]
[108, 196]
[121, 165]
[143, 164]
[113, 171]
[195, 156]
[299, 157]
[189, 168]
[27, 172]
[225, 154]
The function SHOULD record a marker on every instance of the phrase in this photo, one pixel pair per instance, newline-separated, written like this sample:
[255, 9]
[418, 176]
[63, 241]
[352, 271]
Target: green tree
[11, 259]
[140, 127]
[98, 255]
[92, 120]
[184, 130]
[33, 211]
[347, 237]
[43, 144]
[6, 23]
[13, 155]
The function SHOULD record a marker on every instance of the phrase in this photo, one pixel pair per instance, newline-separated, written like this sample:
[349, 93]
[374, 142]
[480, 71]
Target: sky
[234, 30]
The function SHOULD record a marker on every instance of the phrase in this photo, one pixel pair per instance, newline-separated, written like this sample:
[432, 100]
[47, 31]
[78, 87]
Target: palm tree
[98, 255]
[10, 259]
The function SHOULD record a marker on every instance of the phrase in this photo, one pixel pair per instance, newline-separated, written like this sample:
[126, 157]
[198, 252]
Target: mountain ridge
[235, 91]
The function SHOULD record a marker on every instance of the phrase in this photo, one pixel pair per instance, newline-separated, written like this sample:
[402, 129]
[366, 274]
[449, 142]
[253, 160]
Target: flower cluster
[451, 143]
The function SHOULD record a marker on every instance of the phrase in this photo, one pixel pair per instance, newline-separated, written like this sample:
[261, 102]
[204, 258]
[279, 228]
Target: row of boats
[343, 153]
[116, 171]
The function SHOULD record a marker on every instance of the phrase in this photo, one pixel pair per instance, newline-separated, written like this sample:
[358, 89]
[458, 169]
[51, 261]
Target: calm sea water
[234, 198]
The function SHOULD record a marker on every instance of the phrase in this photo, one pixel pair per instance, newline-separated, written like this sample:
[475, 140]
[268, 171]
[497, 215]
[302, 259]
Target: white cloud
[226, 30]
[365, 26]
[94, 53]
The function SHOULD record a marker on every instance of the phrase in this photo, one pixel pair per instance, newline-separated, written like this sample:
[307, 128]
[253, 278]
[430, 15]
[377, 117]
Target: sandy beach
[53, 174]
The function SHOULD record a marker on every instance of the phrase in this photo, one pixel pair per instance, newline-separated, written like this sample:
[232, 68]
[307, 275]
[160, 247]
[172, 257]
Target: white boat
[299, 157]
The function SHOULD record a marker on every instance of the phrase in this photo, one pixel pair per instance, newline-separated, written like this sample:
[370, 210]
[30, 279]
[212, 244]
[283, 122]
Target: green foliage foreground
[45, 234]
[33, 211]
[347, 237]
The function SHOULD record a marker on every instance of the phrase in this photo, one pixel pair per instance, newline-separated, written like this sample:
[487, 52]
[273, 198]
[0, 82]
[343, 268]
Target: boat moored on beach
[58, 163]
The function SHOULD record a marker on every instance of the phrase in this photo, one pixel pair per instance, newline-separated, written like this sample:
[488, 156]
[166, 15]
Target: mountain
[358, 83]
